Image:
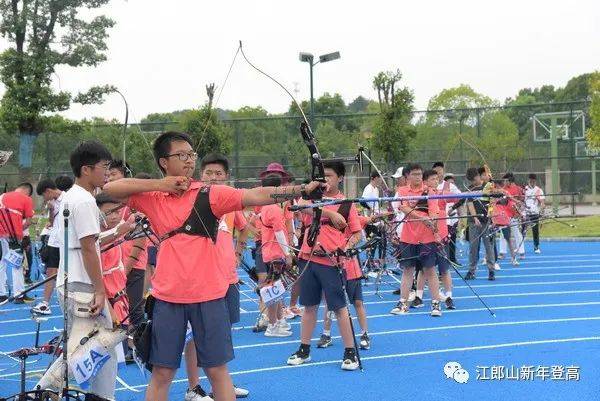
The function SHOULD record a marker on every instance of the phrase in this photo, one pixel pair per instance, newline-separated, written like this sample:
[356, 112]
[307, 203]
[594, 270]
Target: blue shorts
[409, 254]
[210, 326]
[443, 264]
[318, 279]
[354, 290]
[233, 303]
[261, 266]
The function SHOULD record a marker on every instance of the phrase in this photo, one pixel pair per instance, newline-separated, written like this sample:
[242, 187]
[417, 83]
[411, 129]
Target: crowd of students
[199, 231]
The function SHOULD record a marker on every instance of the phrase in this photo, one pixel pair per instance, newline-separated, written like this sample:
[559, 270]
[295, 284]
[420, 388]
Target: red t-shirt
[351, 265]
[272, 219]
[330, 238]
[416, 232]
[516, 191]
[115, 280]
[188, 269]
[14, 207]
[229, 222]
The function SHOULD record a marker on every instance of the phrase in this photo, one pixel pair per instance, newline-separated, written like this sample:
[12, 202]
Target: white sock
[402, 300]
[420, 293]
[327, 332]
[449, 294]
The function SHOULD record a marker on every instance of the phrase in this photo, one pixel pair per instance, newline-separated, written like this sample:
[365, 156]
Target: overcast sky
[162, 53]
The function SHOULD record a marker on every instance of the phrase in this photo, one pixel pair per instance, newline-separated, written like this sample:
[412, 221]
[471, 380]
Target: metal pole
[554, 164]
[594, 203]
[236, 151]
[312, 99]
[47, 155]
[572, 175]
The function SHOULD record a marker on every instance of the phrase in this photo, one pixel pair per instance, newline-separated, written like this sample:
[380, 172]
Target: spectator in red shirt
[16, 211]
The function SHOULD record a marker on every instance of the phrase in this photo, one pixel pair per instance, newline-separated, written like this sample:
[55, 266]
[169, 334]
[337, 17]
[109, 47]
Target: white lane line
[494, 308]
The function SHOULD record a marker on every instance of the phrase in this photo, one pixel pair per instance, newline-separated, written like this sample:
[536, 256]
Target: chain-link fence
[502, 137]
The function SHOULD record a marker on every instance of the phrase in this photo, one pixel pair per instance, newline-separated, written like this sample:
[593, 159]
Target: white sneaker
[273, 330]
[288, 313]
[515, 262]
[197, 394]
[240, 392]
[484, 261]
[284, 325]
[350, 360]
[497, 266]
[298, 358]
[538, 251]
[42, 308]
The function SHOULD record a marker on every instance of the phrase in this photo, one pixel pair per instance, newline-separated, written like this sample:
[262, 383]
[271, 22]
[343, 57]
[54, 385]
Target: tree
[359, 105]
[392, 131]
[455, 100]
[43, 35]
[593, 133]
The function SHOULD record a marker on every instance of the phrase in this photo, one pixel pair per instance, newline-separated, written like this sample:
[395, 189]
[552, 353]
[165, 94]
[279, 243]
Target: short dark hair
[271, 180]
[481, 170]
[43, 185]
[338, 167]
[533, 176]
[375, 174]
[103, 198]
[215, 158]
[26, 185]
[88, 153]
[438, 164]
[472, 172]
[124, 168]
[410, 167]
[405, 171]
[162, 144]
[428, 173]
[143, 176]
[63, 182]
[509, 176]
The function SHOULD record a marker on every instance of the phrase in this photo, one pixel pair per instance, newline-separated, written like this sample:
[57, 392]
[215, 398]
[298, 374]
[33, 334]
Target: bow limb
[317, 168]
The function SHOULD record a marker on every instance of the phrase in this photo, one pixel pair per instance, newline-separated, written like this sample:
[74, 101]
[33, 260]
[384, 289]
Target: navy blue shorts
[152, 255]
[233, 303]
[317, 280]
[210, 326]
[442, 261]
[426, 254]
[261, 266]
[354, 290]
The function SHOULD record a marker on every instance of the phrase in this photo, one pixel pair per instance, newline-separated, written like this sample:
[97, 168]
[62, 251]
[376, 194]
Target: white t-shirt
[84, 220]
[533, 198]
[371, 191]
[53, 239]
[450, 189]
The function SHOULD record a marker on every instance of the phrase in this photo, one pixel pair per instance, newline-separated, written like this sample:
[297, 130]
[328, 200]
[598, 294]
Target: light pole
[310, 59]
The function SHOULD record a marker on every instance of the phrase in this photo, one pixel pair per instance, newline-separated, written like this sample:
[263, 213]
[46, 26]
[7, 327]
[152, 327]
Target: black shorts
[426, 254]
[233, 303]
[52, 257]
[354, 290]
[210, 326]
[261, 266]
[317, 280]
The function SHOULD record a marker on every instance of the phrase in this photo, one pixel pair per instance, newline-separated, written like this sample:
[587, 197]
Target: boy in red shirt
[354, 277]
[16, 211]
[113, 271]
[275, 253]
[189, 282]
[321, 276]
[419, 240]
[431, 180]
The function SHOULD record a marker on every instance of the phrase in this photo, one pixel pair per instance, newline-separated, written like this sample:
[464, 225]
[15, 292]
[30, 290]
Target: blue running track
[546, 324]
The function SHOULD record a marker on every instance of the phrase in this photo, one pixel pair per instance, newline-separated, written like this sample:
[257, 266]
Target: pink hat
[274, 168]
